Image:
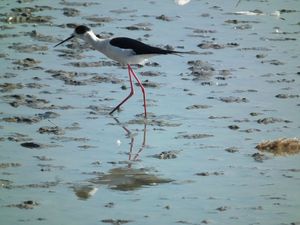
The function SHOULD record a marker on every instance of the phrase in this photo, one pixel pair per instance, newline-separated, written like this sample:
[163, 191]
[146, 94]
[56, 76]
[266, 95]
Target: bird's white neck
[93, 40]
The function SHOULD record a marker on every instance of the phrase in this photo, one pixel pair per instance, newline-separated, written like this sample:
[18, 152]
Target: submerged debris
[282, 146]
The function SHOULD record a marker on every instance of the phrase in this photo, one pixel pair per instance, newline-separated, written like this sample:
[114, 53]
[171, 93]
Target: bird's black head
[81, 29]
[79, 32]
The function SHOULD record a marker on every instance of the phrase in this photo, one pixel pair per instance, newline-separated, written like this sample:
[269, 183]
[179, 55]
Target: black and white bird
[124, 50]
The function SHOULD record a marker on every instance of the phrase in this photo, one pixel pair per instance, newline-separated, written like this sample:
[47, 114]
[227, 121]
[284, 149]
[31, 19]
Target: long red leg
[131, 72]
[130, 94]
[142, 88]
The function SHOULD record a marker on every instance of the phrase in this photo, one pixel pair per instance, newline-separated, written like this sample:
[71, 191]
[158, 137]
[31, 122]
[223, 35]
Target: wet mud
[221, 141]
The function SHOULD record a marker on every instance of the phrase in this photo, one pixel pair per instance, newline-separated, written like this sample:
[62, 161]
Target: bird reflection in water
[133, 156]
[124, 178]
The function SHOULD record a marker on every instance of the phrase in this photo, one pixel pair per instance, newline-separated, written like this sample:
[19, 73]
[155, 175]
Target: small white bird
[124, 50]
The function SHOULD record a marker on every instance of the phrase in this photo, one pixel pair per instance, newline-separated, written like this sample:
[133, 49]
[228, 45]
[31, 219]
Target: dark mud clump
[71, 12]
[167, 154]
[7, 87]
[72, 78]
[164, 18]
[235, 21]
[197, 106]
[43, 158]
[7, 165]
[274, 62]
[26, 15]
[98, 110]
[233, 127]
[258, 157]
[204, 174]
[29, 204]
[232, 99]
[285, 96]
[150, 84]
[31, 145]
[28, 48]
[31, 101]
[193, 136]
[232, 149]
[21, 119]
[270, 120]
[116, 221]
[155, 122]
[140, 26]
[41, 37]
[212, 45]
[69, 139]
[51, 130]
[99, 20]
[28, 63]
[17, 137]
[93, 64]
[282, 146]
[47, 115]
[27, 18]
[150, 74]
[201, 70]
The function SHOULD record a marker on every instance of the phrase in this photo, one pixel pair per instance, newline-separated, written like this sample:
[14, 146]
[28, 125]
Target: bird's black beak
[69, 38]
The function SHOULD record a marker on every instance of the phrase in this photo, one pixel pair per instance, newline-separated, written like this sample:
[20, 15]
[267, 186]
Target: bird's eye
[82, 29]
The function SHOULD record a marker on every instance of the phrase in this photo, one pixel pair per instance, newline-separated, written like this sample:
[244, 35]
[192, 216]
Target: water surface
[207, 112]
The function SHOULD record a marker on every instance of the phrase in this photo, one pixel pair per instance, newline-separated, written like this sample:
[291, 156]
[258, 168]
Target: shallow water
[205, 118]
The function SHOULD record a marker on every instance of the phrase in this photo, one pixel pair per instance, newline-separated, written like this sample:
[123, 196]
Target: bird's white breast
[123, 56]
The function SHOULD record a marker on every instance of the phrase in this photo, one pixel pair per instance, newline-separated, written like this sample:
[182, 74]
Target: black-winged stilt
[124, 50]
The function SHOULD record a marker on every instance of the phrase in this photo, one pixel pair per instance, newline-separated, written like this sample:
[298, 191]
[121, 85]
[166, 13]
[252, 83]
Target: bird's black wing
[138, 47]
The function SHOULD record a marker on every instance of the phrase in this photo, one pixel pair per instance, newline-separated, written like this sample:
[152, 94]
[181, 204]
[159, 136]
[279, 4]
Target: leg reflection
[133, 156]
